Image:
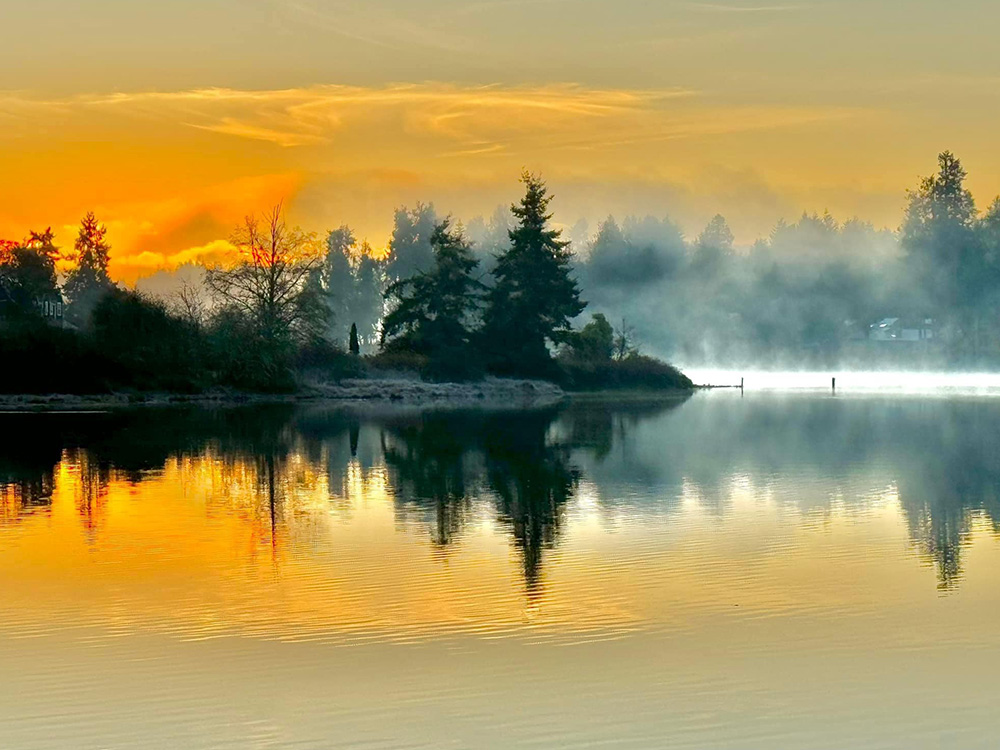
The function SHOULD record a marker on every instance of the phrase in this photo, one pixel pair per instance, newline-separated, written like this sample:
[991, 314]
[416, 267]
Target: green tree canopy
[595, 342]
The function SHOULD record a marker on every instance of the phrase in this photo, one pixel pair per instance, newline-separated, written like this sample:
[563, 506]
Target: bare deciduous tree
[624, 341]
[189, 304]
[269, 285]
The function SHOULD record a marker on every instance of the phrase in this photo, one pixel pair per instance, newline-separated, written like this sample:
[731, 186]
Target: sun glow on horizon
[171, 128]
[171, 173]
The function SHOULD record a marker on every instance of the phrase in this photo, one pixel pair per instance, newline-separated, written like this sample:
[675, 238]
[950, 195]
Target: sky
[173, 120]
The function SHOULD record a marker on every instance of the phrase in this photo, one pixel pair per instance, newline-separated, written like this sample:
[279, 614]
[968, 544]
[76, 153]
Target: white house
[898, 329]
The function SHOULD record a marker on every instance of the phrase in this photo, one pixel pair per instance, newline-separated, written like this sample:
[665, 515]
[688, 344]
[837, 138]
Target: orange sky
[173, 122]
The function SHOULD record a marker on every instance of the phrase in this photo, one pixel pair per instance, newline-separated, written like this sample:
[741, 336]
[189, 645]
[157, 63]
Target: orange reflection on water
[215, 545]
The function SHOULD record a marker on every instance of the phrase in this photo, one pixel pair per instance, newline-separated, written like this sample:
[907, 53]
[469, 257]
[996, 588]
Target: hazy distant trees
[714, 244]
[939, 235]
[410, 245]
[636, 253]
[534, 296]
[491, 239]
[353, 284]
[339, 279]
[815, 285]
[953, 254]
[809, 287]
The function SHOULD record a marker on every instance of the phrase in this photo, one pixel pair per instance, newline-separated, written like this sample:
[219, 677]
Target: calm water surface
[774, 570]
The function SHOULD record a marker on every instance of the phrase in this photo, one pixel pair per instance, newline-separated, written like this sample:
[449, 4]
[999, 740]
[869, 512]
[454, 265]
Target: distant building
[902, 329]
[52, 309]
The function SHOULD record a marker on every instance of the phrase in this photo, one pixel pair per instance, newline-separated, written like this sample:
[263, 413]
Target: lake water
[765, 570]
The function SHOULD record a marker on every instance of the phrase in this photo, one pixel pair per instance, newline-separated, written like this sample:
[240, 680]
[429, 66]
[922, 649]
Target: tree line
[505, 296]
[811, 292]
[280, 313]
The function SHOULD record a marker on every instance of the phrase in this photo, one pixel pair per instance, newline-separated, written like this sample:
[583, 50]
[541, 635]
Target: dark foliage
[534, 296]
[353, 345]
[434, 313]
[636, 371]
[146, 347]
[89, 279]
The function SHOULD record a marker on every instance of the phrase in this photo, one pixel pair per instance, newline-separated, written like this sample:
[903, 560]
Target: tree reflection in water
[522, 468]
[444, 461]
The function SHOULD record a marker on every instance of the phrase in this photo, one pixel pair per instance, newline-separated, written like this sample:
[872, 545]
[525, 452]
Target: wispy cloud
[734, 8]
[208, 155]
[366, 22]
[399, 123]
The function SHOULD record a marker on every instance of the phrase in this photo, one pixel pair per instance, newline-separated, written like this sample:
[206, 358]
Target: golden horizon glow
[172, 127]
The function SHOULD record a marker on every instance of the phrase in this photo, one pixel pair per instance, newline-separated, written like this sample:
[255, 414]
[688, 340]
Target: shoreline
[491, 393]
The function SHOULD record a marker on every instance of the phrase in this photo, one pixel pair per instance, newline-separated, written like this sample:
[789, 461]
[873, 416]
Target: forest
[275, 318]
[511, 296]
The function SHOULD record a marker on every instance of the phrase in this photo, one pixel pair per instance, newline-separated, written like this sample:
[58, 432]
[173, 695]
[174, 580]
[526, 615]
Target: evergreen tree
[938, 236]
[712, 247]
[435, 311]
[717, 235]
[89, 281]
[534, 297]
[353, 344]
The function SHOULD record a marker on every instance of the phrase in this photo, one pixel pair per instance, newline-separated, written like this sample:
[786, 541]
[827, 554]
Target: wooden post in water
[833, 384]
[741, 385]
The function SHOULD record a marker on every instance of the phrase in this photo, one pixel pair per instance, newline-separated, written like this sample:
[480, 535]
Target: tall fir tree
[939, 239]
[353, 345]
[534, 296]
[89, 280]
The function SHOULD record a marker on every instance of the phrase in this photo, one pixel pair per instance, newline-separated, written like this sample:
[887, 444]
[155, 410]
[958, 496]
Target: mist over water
[871, 382]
